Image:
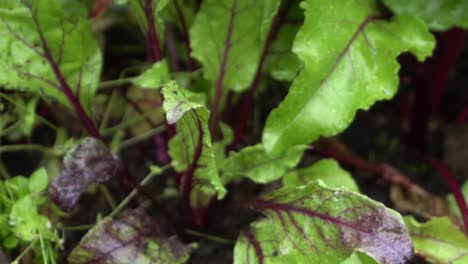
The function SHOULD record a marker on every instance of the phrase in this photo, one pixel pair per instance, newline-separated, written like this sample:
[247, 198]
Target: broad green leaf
[438, 14]
[23, 57]
[344, 71]
[453, 206]
[155, 77]
[38, 180]
[438, 240]
[327, 170]
[256, 164]
[228, 36]
[191, 148]
[133, 238]
[317, 224]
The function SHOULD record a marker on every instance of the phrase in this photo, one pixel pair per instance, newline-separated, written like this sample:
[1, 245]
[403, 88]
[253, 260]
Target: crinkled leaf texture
[133, 238]
[256, 164]
[228, 36]
[66, 32]
[438, 240]
[438, 14]
[349, 57]
[88, 162]
[317, 224]
[327, 170]
[191, 148]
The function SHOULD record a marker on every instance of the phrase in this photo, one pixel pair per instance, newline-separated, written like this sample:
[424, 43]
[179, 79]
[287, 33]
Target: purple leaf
[317, 224]
[133, 238]
[87, 163]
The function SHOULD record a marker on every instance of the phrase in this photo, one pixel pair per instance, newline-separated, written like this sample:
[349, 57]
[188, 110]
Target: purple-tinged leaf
[317, 224]
[191, 148]
[133, 238]
[87, 163]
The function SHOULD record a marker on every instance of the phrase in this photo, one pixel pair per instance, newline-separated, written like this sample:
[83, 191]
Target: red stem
[222, 72]
[432, 85]
[187, 179]
[390, 174]
[247, 102]
[66, 89]
[254, 242]
[385, 171]
[155, 52]
[183, 22]
[454, 187]
[171, 48]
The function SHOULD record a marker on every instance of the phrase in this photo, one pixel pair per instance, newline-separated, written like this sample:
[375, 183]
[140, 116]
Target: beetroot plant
[229, 108]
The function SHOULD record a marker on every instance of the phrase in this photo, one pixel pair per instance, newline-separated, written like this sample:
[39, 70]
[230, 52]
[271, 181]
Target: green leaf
[26, 113]
[172, 15]
[24, 63]
[344, 71]
[4, 226]
[133, 238]
[327, 170]
[256, 164]
[438, 14]
[155, 77]
[317, 224]
[452, 204]
[18, 185]
[228, 36]
[11, 242]
[191, 149]
[438, 240]
[26, 223]
[281, 62]
[38, 180]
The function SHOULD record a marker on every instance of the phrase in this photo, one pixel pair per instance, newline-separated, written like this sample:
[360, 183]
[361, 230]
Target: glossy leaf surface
[344, 71]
